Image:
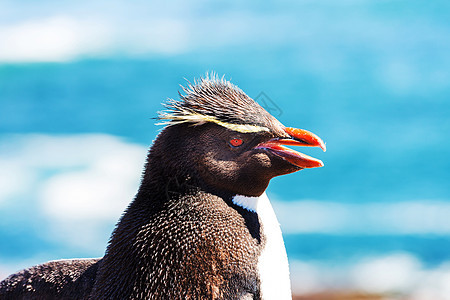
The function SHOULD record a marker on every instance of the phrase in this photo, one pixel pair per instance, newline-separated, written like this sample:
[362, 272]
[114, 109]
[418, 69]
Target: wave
[407, 217]
[397, 276]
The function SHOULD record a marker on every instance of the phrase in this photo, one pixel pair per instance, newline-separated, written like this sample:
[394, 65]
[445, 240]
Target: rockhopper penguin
[201, 225]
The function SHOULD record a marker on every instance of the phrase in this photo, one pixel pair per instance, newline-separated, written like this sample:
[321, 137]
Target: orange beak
[297, 137]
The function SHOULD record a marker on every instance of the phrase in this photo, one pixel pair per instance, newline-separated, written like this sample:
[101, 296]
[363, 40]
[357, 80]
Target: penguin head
[229, 141]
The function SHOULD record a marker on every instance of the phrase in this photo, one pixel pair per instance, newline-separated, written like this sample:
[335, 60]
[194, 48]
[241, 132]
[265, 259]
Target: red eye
[236, 142]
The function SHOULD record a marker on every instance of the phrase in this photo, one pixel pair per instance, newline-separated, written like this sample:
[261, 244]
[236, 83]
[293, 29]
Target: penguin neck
[164, 178]
[163, 186]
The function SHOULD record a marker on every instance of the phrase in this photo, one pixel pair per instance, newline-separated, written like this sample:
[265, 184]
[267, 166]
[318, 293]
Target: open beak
[297, 137]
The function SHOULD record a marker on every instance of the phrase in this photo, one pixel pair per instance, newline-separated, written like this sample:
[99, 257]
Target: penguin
[201, 225]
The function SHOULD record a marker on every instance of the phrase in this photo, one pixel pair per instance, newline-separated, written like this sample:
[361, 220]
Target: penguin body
[201, 225]
[60, 279]
[200, 248]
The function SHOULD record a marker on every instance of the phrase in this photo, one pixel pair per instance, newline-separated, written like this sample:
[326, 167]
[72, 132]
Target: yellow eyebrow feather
[186, 116]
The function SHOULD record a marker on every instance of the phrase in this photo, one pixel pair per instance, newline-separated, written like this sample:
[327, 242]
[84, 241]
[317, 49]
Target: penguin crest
[215, 100]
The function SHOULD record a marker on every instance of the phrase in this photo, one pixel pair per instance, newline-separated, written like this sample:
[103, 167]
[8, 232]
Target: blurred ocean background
[81, 81]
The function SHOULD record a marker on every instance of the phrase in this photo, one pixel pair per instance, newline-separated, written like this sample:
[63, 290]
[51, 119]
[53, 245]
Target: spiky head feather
[216, 100]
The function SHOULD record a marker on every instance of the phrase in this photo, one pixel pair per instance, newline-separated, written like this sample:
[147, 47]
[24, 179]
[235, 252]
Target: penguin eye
[236, 142]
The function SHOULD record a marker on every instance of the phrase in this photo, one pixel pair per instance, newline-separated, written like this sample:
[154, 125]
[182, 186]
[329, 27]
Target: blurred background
[80, 82]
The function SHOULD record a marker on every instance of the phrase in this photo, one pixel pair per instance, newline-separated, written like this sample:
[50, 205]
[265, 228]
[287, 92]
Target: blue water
[383, 145]
[432, 250]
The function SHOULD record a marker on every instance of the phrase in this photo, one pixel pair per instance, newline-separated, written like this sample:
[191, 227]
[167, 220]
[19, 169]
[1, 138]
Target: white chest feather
[272, 264]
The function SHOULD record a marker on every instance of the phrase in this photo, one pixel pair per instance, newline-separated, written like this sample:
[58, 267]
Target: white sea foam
[409, 217]
[79, 184]
[398, 274]
[54, 39]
